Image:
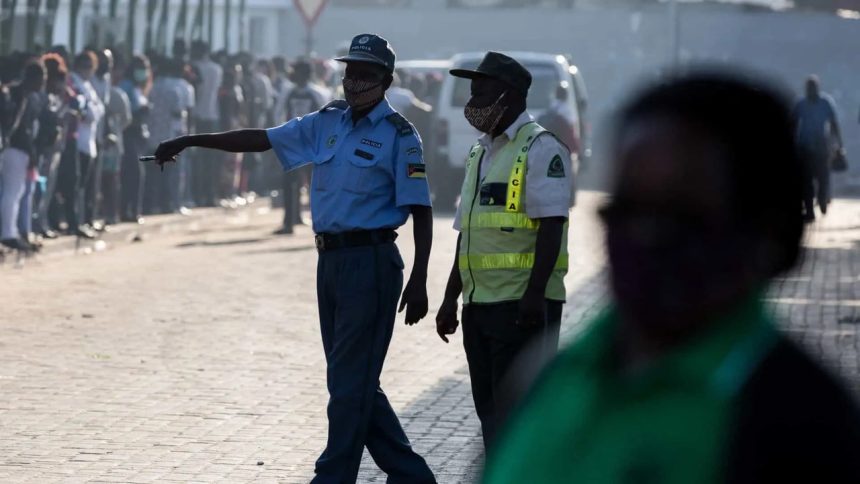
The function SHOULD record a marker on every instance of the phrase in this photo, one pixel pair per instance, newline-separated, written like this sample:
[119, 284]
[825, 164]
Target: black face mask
[485, 118]
[361, 94]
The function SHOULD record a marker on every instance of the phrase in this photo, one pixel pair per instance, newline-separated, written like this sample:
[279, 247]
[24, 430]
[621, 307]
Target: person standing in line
[259, 100]
[19, 155]
[368, 177]
[188, 95]
[205, 174]
[117, 119]
[282, 85]
[53, 127]
[84, 68]
[304, 98]
[137, 83]
[818, 138]
[231, 105]
[165, 114]
[512, 250]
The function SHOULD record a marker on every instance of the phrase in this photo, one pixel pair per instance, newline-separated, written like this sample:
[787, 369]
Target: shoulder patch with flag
[556, 168]
[417, 170]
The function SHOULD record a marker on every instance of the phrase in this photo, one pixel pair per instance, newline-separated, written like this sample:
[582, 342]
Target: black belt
[357, 238]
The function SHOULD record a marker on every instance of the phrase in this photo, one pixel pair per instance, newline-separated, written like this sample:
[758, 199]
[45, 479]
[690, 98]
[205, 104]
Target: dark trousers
[357, 291]
[291, 187]
[817, 185]
[91, 184]
[493, 343]
[206, 167]
[110, 196]
[161, 189]
[70, 175]
[131, 177]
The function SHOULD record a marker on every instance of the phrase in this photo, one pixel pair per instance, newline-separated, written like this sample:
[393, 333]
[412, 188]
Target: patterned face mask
[485, 119]
[362, 94]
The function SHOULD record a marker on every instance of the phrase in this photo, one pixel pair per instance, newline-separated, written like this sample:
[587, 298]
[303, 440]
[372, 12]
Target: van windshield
[545, 78]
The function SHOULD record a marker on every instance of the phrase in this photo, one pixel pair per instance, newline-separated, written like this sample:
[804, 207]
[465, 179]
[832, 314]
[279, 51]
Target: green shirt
[587, 422]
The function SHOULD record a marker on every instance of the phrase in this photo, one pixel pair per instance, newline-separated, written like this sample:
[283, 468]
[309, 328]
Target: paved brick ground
[195, 355]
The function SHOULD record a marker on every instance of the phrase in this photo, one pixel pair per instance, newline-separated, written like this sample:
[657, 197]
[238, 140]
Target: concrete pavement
[195, 355]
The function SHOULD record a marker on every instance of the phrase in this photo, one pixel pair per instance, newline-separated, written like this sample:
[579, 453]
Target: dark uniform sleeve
[410, 172]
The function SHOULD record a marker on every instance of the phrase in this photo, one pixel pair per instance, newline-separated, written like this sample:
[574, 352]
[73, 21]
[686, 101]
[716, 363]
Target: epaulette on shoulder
[339, 104]
[553, 136]
[403, 126]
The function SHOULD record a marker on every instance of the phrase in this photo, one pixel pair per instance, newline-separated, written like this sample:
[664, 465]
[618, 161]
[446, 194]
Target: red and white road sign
[310, 9]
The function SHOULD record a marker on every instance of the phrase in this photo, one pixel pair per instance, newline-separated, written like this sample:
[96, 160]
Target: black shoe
[85, 232]
[17, 244]
[809, 218]
[49, 234]
[35, 244]
[283, 231]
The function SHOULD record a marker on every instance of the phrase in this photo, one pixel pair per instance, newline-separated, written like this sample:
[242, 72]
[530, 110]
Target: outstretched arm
[238, 141]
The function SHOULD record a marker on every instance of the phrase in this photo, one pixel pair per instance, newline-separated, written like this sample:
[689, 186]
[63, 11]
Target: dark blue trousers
[357, 291]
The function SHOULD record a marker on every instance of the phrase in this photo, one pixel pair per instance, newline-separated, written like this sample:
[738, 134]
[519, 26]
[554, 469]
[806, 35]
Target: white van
[454, 136]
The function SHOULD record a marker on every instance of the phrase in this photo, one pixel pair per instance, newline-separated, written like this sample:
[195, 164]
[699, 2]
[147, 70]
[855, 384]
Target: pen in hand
[149, 158]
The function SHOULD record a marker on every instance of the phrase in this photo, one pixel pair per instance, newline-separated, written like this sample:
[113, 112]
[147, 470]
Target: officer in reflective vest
[368, 178]
[512, 249]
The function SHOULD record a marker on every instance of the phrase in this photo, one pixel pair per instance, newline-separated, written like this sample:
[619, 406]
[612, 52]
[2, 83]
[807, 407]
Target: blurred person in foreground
[368, 178]
[511, 254]
[685, 378]
[819, 139]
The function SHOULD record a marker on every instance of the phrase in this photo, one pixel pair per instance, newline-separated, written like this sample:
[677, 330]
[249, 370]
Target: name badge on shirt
[363, 154]
[494, 194]
[370, 142]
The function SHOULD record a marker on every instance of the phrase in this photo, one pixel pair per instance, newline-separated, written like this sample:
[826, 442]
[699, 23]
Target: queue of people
[72, 129]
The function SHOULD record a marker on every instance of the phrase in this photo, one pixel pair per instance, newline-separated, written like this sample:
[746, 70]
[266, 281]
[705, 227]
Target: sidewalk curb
[129, 233]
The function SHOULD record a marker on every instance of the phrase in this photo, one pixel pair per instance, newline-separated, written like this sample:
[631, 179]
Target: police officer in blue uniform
[368, 177]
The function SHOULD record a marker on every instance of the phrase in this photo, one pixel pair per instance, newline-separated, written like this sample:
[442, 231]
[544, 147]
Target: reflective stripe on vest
[496, 220]
[505, 261]
[516, 182]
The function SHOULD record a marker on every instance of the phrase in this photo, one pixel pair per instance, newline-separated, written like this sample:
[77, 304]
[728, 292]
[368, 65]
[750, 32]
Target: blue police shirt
[365, 175]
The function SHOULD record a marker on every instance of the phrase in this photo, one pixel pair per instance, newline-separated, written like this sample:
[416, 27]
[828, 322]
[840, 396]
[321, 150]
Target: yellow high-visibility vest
[497, 248]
